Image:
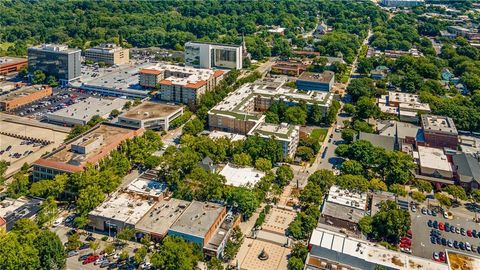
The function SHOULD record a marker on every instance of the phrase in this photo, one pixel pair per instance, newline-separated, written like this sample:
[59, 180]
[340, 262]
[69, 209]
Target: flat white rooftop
[347, 198]
[433, 158]
[241, 176]
[374, 254]
[125, 207]
[216, 134]
[86, 109]
[148, 187]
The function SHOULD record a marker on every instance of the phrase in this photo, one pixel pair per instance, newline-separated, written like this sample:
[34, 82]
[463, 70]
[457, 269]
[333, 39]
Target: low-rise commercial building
[241, 176]
[129, 205]
[287, 135]
[290, 68]
[344, 208]
[404, 105]
[205, 224]
[89, 148]
[213, 55]
[80, 113]
[55, 60]
[433, 165]
[150, 115]
[11, 210]
[11, 64]
[331, 250]
[158, 220]
[316, 81]
[24, 96]
[110, 54]
[439, 131]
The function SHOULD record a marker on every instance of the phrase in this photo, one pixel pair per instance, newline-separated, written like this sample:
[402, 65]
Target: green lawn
[319, 134]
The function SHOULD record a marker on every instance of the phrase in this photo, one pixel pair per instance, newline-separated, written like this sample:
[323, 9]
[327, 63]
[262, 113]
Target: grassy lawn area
[319, 134]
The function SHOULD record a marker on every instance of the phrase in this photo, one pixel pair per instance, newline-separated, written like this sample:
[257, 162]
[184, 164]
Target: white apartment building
[213, 55]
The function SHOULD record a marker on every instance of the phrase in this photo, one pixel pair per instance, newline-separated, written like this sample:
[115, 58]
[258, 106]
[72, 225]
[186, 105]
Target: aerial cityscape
[240, 135]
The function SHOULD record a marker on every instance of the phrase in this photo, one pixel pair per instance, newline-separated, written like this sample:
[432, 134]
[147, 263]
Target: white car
[445, 214]
[468, 246]
[57, 222]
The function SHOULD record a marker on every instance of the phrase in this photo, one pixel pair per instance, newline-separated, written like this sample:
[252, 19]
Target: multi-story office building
[24, 96]
[406, 106]
[316, 81]
[180, 84]
[109, 53]
[213, 55]
[56, 60]
[439, 131]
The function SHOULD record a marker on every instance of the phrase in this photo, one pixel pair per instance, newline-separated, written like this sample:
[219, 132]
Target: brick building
[11, 64]
[439, 131]
[24, 96]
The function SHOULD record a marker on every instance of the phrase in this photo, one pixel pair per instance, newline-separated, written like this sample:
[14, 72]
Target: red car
[405, 245]
[469, 233]
[90, 259]
[409, 233]
[441, 256]
[441, 226]
[406, 241]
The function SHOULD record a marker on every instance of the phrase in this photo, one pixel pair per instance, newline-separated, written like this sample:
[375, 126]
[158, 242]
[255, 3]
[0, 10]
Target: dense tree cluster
[28, 247]
[393, 167]
[388, 224]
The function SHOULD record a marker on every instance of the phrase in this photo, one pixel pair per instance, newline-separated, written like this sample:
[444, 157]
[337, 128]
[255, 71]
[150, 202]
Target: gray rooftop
[158, 220]
[438, 123]
[198, 218]
[468, 167]
[385, 142]
[324, 77]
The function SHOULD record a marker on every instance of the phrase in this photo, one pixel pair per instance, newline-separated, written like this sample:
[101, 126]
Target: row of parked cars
[452, 229]
[436, 238]
[435, 212]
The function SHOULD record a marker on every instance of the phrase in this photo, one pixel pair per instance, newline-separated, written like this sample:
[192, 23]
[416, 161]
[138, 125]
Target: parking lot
[421, 242]
[17, 149]
[60, 98]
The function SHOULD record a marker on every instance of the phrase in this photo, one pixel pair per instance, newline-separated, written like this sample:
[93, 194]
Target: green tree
[193, 127]
[284, 175]
[242, 159]
[214, 264]
[38, 77]
[398, 189]
[365, 225]
[475, 194]
[456, 191]
[49, 188]
[390, 222]
[114, 113]
[176, 254]
[126, 233]
[349, 109]
[418, 196]
[263, 164]
[94, 246]
[443, 200]
[140, 255]
[296, 115]
[52, 81]
[3, 169]
[50, 251]
[348, 135]
[15, 255]
[48, 211]
[305, 153]
[353, 182]
[89, 198]
[423, 186]
[244, 200]
[352, 167]
[362, 87]
[19, 186]
[377, 184]
[367, 108]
